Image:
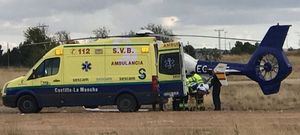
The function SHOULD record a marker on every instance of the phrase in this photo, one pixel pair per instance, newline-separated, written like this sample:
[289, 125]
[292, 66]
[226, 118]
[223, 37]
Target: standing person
[216, 93]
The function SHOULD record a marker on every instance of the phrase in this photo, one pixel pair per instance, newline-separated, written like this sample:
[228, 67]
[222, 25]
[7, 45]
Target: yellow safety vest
[196, 78]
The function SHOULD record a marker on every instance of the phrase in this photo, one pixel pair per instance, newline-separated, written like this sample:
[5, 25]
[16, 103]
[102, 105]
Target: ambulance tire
[28, 104]
[127, 103]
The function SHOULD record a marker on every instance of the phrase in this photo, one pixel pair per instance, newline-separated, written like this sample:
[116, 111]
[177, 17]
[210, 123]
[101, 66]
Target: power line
[228, 38]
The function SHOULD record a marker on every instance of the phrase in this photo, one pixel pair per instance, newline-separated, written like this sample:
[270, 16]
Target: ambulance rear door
[171, 71]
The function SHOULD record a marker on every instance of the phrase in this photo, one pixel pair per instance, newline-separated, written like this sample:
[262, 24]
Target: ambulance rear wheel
[127, 103]
[28, 104]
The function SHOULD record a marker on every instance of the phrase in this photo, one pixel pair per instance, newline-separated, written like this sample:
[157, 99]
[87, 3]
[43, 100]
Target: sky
[239, 18]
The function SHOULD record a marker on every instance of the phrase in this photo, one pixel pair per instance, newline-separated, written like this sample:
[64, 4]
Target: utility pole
[43, 27]
[8, 55]
[219, 36]
[225, 32]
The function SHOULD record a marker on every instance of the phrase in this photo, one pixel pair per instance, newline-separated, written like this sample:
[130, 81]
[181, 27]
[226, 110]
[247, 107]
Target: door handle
[56, 80]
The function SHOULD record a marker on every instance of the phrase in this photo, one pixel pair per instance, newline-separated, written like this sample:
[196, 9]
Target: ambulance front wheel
[127, 103]
[28, 104]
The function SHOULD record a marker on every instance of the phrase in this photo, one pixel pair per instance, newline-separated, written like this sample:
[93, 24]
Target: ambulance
[127, 72]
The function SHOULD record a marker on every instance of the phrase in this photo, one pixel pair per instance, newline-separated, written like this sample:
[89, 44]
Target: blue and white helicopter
[268, 65]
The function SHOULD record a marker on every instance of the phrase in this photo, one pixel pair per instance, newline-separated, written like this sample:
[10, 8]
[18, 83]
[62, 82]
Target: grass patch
[250, 97]
[11, 73]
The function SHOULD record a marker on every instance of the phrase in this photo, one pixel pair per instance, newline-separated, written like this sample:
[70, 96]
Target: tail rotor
[269, 65]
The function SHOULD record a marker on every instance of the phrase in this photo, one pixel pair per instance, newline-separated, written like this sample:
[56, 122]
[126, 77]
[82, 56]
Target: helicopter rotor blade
[229, 38]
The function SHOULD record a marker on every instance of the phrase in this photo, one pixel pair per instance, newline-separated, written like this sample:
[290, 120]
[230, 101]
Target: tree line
[214, 54]
[38, 42]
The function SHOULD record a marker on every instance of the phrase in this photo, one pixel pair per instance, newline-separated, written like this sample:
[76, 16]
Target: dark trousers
[216, 93]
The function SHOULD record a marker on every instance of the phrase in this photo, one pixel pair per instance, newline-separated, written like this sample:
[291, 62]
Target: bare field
[248, 96]
[246, 111]
[7, 74]
[152, 123]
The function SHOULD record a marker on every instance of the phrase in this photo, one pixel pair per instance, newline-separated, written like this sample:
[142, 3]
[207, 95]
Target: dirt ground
[246, 111]
[57, 122]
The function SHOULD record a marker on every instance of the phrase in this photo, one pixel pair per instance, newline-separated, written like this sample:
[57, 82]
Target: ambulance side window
[47, 68]
[169, 63]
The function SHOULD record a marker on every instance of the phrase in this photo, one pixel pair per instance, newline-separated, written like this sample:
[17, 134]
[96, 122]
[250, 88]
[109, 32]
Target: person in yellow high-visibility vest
[197, 89]
[193, 81]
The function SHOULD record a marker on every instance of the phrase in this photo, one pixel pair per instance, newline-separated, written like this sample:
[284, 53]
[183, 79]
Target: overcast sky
[240, 18]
